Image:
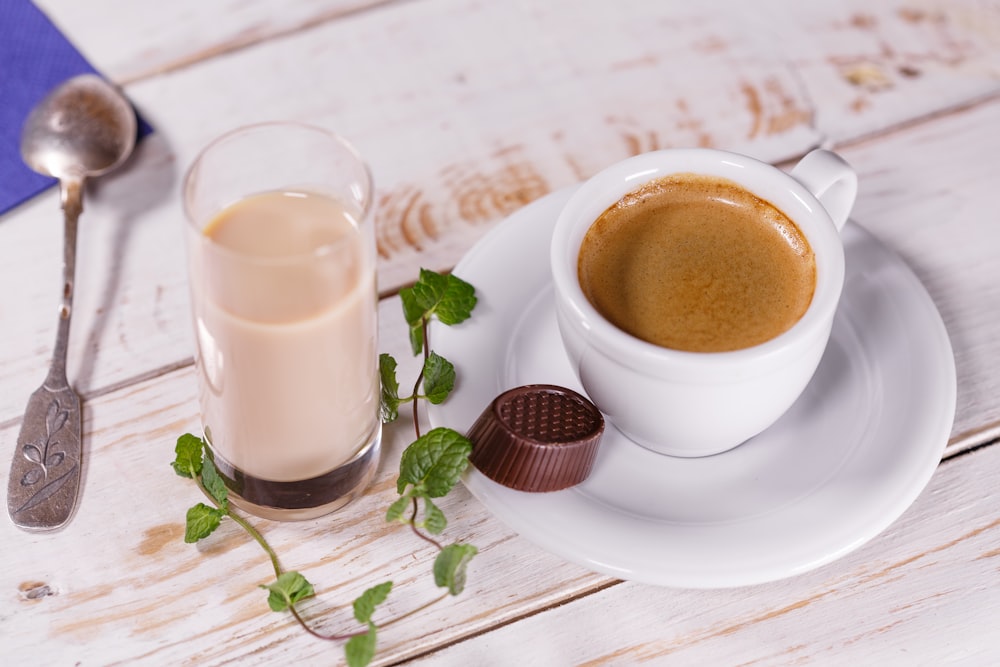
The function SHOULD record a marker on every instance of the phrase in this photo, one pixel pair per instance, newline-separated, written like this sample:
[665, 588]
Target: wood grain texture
[927, 191]
[135, 40]
[119, 585]
[862, 63]
[927, 591]
[463, 124]
[133, 591]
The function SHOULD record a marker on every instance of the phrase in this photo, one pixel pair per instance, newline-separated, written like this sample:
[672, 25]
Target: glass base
[302, 499]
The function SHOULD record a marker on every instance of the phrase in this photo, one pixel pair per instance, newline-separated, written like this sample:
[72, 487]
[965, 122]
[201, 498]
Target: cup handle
[831, 180]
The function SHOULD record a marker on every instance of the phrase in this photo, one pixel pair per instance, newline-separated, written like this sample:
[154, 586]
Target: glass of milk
[281, 254]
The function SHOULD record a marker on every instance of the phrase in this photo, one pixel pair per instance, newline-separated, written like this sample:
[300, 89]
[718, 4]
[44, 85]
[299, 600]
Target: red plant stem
[317, 635]
[413, 526]
[413, 611]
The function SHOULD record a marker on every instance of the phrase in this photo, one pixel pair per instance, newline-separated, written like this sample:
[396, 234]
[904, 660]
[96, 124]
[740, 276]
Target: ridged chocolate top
[537, 438]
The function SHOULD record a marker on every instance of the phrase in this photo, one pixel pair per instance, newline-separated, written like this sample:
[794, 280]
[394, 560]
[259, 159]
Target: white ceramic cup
[702, 403]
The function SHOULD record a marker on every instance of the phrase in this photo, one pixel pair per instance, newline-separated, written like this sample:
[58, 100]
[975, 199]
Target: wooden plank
[467, 125]
[153, 598]
[927, 192]
[487, 128]
[926, 591]
[118, 585]
[867, 66]
[132, 313]
[461, 125]
[868, 60]
[131, 40]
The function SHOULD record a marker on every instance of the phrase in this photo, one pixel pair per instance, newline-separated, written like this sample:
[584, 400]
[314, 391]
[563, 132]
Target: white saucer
[848, 458]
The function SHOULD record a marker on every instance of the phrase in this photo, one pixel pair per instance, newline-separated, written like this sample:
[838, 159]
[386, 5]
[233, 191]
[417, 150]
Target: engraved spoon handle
[45, 472]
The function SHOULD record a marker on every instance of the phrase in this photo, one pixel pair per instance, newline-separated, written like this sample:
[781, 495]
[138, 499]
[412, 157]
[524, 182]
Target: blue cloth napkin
[34, 58]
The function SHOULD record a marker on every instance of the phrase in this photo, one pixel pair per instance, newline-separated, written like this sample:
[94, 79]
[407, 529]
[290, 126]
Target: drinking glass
[281, 264]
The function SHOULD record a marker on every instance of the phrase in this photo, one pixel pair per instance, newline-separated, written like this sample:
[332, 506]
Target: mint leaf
[288, 588]
[202, 521]
[389, 404]
[448, 298]
[457, 302]
[360, 649]
[450, 566]
[189, 454]
[365, 605]
[434, 462]
[214, 484]
[420, 300]
[417, 338]
[439, 378]
[434, 519]
[397, 509]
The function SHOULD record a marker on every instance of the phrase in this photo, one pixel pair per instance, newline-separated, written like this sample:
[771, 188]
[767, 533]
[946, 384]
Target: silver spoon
[83, 128]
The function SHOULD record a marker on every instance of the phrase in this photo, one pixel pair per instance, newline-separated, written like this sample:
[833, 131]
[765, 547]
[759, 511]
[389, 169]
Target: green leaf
[439, 378]
[365, 605]
[398, 509]
[434, 462]
[214, 484]
[287, 589]
[420, 300]
[360, 649]
[416, 338]
[434, 519]
[450, 566]
[418, 304]
[457, 302]
[448, 298]
[202, 521]
[189, 453]
[389, 405]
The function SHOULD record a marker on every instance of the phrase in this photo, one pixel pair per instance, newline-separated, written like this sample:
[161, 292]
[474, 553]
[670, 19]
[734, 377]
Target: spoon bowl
[83, 128]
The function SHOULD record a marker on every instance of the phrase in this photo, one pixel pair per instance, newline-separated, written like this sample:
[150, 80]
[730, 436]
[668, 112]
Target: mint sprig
[430, 467]
[444, 297]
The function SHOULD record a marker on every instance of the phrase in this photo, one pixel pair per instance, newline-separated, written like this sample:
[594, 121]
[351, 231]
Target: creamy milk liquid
[286, 326]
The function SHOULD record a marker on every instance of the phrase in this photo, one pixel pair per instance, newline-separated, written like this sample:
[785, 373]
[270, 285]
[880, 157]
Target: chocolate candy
[537, 438]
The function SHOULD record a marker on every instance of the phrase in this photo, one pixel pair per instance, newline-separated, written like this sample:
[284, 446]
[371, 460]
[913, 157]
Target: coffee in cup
[697, 263]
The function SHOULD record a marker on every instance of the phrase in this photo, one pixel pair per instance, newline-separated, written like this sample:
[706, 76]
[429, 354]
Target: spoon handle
[72, 203]
[45, 474]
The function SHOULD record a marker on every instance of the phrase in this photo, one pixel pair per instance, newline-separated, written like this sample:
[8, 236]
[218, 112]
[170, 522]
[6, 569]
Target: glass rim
[319, 252]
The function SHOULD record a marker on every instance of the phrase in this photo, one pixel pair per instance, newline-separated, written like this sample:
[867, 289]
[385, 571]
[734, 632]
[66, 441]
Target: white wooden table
[467, 111]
